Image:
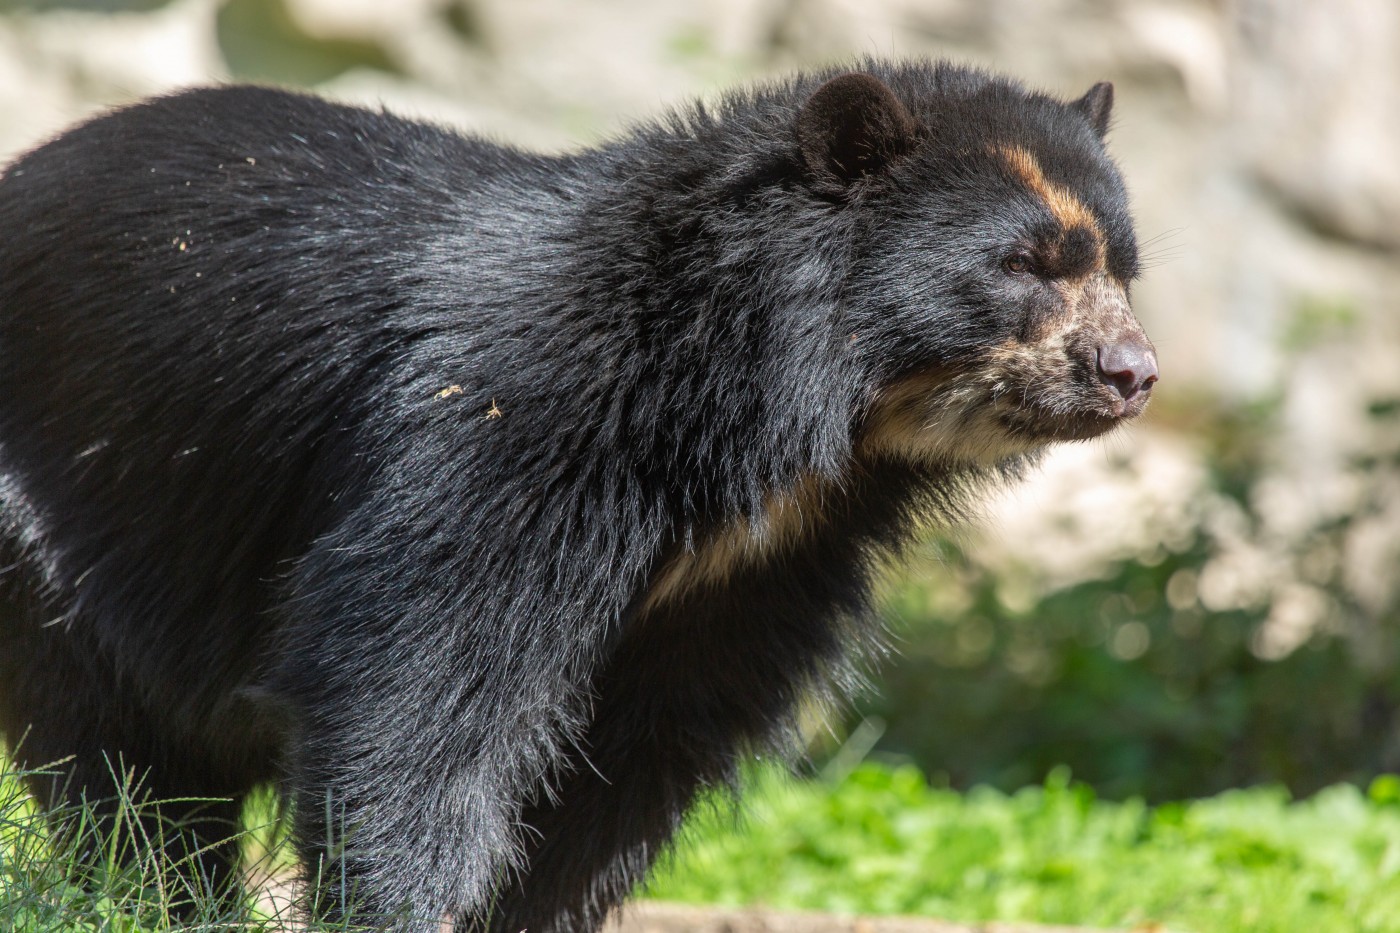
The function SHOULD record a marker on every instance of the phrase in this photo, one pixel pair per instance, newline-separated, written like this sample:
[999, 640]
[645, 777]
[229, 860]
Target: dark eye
[1018, 264]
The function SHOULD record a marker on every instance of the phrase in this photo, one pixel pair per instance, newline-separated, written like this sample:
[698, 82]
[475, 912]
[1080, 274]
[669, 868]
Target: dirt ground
[651, 917]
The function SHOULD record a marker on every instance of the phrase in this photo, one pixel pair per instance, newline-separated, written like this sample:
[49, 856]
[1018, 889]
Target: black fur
[493, 503]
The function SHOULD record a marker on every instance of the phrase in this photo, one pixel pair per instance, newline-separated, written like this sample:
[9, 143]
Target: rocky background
[1261, 141]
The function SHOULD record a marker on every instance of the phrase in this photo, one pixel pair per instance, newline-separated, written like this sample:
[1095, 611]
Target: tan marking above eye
[1063, 204]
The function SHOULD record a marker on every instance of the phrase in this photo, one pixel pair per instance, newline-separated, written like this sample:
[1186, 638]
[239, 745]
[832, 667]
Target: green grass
[112, 881]
[881, 841]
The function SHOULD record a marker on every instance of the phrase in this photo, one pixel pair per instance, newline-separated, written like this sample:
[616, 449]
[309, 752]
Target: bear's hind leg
[156, 805]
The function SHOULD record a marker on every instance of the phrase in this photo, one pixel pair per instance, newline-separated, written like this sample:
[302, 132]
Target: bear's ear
[1097, 105]
[853, 126]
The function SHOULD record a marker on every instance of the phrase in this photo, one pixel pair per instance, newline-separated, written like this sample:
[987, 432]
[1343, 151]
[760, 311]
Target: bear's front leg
[431, 679]
[695, 683]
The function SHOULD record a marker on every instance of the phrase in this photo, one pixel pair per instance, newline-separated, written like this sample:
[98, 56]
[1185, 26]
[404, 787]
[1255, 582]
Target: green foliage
[463, 20]
[1138, 696]
[1318, 318]
[1141, 680]
[261, 41]
[883, 841]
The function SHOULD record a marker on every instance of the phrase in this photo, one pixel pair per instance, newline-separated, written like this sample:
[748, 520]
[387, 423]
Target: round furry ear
[1097, 105]
[853, 126]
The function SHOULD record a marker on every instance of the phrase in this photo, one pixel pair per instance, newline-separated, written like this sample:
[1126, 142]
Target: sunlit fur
[493, 504]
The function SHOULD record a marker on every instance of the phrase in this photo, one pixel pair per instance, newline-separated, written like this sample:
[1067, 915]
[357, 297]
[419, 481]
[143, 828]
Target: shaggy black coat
[492, 503]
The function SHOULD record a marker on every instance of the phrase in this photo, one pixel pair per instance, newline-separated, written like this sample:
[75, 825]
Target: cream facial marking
[1053, 365]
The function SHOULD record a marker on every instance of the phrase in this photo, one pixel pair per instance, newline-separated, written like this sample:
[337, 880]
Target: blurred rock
[1321, 85]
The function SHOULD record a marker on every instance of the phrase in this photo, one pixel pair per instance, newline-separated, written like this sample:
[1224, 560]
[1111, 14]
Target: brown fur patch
[743, 542]
[1064, 205]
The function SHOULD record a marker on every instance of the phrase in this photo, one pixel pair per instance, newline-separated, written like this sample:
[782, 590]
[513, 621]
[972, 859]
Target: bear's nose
[1127, 368]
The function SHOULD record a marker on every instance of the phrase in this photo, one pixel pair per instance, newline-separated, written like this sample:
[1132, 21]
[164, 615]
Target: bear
[491, 504]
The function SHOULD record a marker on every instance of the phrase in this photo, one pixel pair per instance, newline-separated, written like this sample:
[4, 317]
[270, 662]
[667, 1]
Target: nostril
[1127, 368]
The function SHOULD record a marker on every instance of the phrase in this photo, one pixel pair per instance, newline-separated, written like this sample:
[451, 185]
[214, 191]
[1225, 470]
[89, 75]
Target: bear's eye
[1018, 263]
